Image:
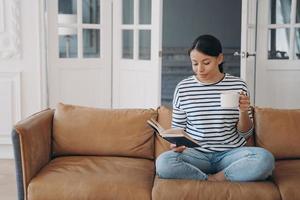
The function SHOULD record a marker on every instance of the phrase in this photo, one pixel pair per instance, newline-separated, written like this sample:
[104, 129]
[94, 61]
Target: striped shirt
[196, 108]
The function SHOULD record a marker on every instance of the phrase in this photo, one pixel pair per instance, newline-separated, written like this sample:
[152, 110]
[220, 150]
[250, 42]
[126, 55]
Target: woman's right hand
[177, 149]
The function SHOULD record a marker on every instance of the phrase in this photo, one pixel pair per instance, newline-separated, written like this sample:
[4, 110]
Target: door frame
[248, 45]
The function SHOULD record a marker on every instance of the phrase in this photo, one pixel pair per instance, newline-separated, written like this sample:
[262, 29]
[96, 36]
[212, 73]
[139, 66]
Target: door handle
[244, 54]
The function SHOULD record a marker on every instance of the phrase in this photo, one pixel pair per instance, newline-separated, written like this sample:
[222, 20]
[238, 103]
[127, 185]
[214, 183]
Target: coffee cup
[230, 99]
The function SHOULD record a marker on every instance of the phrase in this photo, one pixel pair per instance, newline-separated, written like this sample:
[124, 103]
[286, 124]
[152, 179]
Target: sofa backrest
[278, 130]
[81, 130]
[165, 120]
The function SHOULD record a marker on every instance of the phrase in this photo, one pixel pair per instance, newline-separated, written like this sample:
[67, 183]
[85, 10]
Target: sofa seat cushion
[91, 177]
[174, 189]
[287, 178]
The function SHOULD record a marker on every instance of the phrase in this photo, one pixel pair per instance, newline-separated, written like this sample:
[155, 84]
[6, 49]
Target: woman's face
[204, 66]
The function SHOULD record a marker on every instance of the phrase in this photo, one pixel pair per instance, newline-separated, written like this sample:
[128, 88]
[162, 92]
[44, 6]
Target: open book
[173, 135]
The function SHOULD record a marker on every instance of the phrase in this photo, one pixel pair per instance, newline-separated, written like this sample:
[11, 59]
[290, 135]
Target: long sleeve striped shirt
[197, 109]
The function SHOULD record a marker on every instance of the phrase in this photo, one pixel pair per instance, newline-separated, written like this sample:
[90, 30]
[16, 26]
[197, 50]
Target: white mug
[230, 99]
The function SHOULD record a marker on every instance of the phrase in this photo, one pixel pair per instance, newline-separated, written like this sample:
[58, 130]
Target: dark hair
[208, 45]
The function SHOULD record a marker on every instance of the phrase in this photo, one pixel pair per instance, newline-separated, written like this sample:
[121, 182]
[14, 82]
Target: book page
[157, 125]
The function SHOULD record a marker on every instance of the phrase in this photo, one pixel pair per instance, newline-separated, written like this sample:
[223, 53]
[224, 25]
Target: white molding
[15, 107]
[5, 139]
[14, 77]
[10, 39]
[43, 54]
[2, 25]
[6, 151]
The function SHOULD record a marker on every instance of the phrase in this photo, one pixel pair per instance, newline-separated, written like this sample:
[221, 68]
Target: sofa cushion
[287, 178]
[278, 130]
[92, 131]
[93, 177]
[205, 190]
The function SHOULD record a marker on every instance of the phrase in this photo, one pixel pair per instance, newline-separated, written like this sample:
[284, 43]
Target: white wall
[20, 66]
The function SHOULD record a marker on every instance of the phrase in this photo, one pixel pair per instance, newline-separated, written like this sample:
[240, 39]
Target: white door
[79, 52]
[136, 53]
[248, 47]
[278, 54]
[96, 61]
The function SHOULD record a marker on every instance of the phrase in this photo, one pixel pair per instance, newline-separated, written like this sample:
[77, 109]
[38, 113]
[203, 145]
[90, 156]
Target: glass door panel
[280, 11]
[283, 35]
[279, 40]
[127, 44]
[145, 11]
[91, 43]
[67, 42]
[127, 11]
[144, 44]
[91, 11]
[67, 31]
[67, 7]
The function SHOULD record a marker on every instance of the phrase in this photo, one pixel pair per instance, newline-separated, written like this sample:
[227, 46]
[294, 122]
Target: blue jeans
[239, 164]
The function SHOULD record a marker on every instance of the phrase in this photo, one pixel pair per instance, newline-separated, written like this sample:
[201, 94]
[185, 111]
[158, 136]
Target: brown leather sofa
[83, 153]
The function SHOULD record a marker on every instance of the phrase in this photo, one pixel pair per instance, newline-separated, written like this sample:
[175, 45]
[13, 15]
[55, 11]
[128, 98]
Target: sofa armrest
[32, 147]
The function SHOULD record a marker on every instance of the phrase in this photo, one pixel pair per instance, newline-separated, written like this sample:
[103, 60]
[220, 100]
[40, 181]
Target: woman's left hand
[244, 102]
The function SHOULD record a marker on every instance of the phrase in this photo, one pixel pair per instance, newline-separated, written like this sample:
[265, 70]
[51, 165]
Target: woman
[222, 132]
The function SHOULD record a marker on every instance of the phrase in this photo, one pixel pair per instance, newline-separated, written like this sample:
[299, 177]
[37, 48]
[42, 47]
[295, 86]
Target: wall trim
[2, 24]
[10, 39]
[5, 139]
[14, 80]
[43, 54]
[6, 151]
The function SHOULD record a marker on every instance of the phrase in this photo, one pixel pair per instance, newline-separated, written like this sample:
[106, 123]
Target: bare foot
[217, 177]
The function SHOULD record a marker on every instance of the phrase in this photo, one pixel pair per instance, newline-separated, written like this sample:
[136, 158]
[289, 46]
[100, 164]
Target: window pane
[278, 46]
[91, 43]
[91, 11]
[67, 6]
[67, 12]
[297, 43]
[145, 12]
[280, 11]
[127, 48]
[144, 44]
[127, 11]
[67, 42]
[298, 12]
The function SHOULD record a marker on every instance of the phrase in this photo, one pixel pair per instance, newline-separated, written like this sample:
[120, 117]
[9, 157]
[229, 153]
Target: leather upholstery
[251, 140]
[35, 142]
[278, 130]
[165, 120]
[93, 178]
[168, 189]
[287, 178]
[92, 131]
